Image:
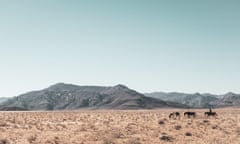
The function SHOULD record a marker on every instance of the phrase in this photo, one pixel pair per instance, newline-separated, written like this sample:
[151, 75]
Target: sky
[147, 45]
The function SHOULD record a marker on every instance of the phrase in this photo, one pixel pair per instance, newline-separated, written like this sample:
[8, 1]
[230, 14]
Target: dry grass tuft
[166, 138]
[188, 134]
[32, 139]
[3, 124]
[161, 122]
[205, 121]
[4, 141]
[178, 127]
[214, 127]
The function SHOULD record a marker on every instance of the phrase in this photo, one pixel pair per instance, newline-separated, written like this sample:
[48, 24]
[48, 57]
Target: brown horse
[174, 115]
[207, 114]
[189, 114]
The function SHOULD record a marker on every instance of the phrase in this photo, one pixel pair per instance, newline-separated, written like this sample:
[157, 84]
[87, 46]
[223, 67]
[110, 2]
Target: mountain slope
[68, 97]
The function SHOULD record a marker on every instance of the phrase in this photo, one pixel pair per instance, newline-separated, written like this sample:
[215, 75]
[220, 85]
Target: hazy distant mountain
[68, 97]
[3, 99]
[198, 100]
[229, 99]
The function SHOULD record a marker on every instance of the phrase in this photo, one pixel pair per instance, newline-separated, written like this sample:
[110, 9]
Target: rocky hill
[70, 97]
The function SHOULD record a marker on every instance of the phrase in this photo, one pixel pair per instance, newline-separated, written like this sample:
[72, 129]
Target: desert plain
[119, 127]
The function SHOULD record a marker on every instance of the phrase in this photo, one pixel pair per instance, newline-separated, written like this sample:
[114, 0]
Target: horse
[207, 114]
[189, 114]
[174, 115]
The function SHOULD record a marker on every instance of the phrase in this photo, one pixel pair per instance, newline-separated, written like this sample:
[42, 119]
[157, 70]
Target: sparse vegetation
[117, 127]
[188, 134]
[178, 127]
[161, 122]
[32, 139]
[167, 138]
[4, 141]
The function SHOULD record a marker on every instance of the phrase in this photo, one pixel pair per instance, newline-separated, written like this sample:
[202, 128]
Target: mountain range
[63, 96]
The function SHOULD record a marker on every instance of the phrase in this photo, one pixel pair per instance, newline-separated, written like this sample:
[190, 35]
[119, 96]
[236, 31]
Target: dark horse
[174, 115]
[207, 114]
[210, 113]
[189, 114]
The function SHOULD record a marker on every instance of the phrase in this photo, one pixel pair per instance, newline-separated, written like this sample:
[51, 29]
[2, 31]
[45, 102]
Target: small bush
[32, 139]
[166, 138]
[3, 125]
[4, 141]
[161, 122]
[214, 127]
[188, 134]
[164, 133]
[178, 127]
[205, 121]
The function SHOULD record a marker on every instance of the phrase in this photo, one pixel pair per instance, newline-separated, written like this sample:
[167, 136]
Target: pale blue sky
[148, 45]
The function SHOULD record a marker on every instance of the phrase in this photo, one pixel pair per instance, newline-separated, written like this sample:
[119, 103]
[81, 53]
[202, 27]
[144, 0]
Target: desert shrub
[161, 122]
[205, 121]
[188, 134]
[214, 127]
[178, 127]
[3, 124]
[166, 138]
[4, 141]
[32, 139]
[54, 140]
[164, 133]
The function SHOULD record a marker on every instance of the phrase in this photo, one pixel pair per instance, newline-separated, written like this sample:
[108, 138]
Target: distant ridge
[198, 100]
[63, 96]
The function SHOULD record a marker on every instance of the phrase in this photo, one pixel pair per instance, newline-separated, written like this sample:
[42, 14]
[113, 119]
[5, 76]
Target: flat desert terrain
[119, 127]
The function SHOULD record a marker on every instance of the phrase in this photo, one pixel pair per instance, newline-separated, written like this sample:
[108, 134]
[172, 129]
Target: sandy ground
[118, 127]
